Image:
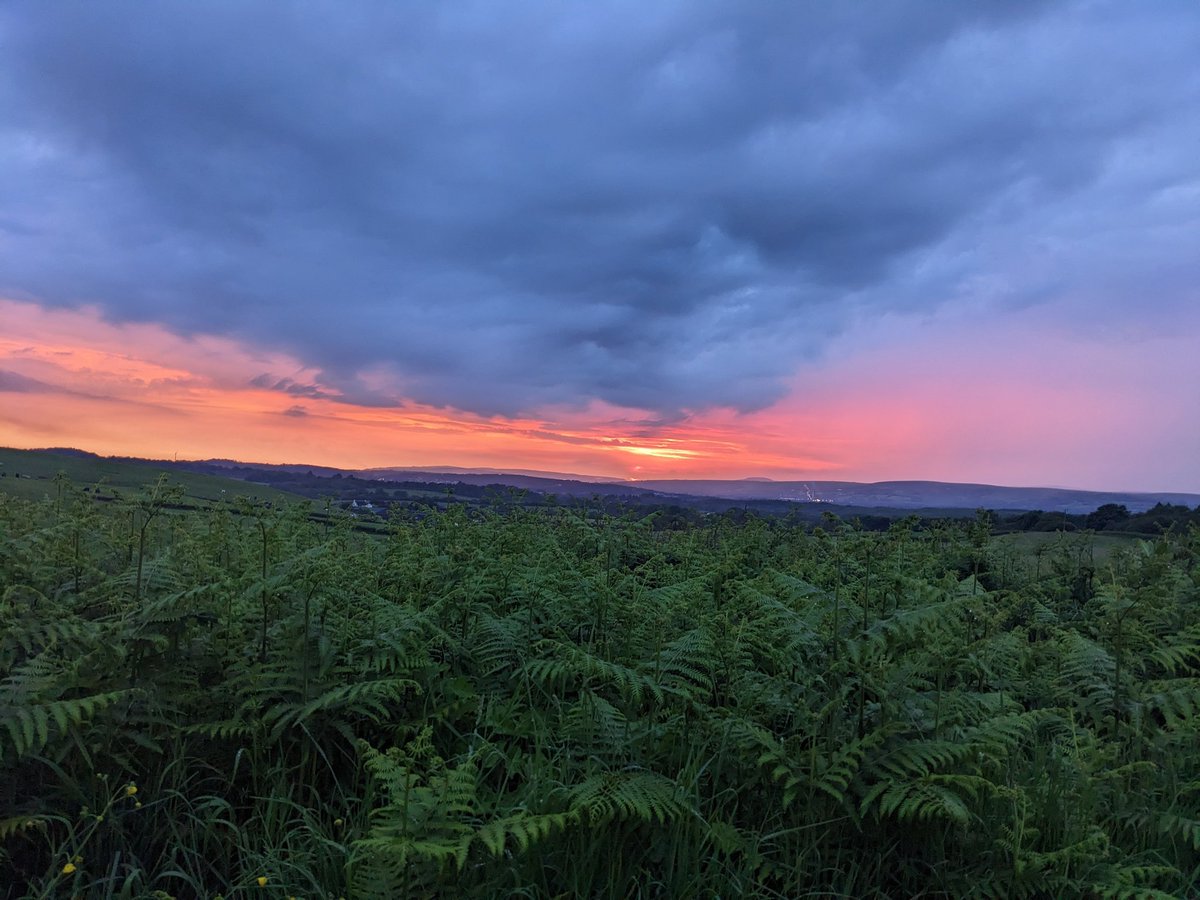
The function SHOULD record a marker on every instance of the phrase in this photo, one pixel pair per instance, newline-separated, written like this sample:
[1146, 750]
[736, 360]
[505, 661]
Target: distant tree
[1058, 521]
[1108, 516]
[1160, 518]
[1026, 521]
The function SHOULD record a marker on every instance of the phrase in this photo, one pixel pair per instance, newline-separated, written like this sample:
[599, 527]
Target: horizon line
[600, 479]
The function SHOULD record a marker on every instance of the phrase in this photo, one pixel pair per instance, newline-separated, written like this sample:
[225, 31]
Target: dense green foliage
[1111, 517]
[555, 703]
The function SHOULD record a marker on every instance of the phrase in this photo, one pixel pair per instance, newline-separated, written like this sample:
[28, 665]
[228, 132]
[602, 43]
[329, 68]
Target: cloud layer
[1019, 401]
[670, 208]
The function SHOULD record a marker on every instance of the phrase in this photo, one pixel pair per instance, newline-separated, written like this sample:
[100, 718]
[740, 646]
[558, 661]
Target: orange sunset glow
[139, 389]
[193, 395]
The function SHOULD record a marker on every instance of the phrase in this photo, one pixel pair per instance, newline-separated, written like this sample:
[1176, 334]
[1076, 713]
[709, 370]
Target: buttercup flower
[68, 868]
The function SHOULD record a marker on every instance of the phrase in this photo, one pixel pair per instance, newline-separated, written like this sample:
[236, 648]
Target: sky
[857, 241]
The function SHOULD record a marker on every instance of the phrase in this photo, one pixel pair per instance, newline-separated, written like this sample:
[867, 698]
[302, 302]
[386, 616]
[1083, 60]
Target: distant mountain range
[913, 495]
[922, 494]
[406, 472]
[889, 495]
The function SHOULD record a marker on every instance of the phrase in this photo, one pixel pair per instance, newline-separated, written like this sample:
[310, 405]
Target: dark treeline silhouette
[1111, 517]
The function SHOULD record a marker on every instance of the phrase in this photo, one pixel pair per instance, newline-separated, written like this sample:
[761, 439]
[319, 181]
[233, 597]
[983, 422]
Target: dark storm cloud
[289, 386]
[666, 206]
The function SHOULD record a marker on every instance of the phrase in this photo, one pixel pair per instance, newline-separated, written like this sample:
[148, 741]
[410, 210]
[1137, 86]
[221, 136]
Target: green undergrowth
[244, 702]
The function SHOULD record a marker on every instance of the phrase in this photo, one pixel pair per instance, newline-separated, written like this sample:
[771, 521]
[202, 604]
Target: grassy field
[29, 474]
[1098, 547]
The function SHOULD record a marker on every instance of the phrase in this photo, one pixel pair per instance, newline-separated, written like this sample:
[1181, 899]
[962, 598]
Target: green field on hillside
[30, 474]
[1098, 549]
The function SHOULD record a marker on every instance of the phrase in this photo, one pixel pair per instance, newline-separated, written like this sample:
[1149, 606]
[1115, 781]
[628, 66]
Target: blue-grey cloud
[666, 206]
[16, 383]
[289, 386]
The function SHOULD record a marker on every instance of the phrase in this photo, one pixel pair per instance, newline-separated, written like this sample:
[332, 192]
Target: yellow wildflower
[130, 790]
[338, 822]
[68, 868]
[262, 880]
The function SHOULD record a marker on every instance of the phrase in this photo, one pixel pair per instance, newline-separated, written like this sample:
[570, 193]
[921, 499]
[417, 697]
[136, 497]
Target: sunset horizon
[138, 390]
[907, 259]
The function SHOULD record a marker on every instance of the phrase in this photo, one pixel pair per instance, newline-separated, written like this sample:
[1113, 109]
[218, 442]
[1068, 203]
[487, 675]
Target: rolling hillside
[29, 474]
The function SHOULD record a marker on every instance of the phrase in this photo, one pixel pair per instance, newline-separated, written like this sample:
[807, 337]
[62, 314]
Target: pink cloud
[1016, 401]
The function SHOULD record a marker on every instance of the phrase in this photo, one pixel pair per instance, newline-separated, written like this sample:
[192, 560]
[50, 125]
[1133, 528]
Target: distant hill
[894, 495]
[30, 474]
[761, 493]
[566, 485]
[920, 494]
[407, 472]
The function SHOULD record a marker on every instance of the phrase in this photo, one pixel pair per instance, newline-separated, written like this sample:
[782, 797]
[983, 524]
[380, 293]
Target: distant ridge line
[895, 494]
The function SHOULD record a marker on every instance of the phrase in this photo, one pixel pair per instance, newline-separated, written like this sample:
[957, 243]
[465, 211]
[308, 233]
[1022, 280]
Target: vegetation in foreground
[244, 701]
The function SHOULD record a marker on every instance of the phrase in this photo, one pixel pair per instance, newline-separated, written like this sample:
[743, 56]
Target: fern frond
[1181, 653]
[629, 796]
[15, 825]
[522, 828]
[30, 728]
[371, 700]
[924, 799]
[570, 664]
[1177, 700]
[1181, 826]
